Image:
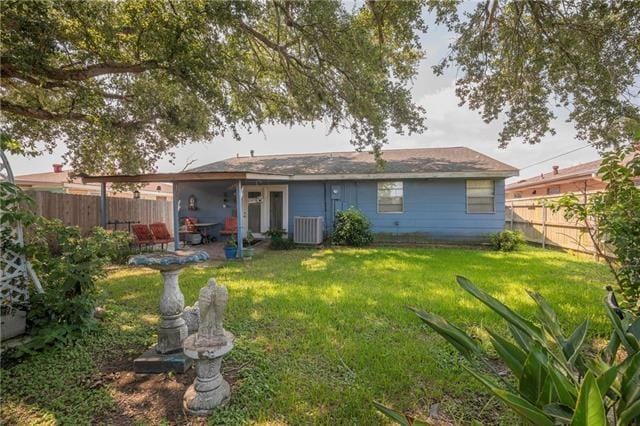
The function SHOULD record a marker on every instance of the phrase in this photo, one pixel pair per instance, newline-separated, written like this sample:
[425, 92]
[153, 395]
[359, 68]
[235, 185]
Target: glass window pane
[480, 196]
[390, 208]
[390, 197]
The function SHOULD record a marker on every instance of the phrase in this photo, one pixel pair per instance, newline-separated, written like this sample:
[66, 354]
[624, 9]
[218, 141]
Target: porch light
[136, 195]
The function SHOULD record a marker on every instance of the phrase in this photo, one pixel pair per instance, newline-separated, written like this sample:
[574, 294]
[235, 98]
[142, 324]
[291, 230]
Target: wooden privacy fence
[539, 224]
[84, 210]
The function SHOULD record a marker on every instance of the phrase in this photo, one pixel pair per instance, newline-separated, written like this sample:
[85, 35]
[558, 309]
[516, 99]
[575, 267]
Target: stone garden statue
[211, 303]
[207, 347]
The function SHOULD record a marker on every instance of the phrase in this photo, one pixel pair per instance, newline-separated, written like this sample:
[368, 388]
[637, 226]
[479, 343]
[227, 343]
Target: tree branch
[43, 114]
[76, 74]
[40, 113]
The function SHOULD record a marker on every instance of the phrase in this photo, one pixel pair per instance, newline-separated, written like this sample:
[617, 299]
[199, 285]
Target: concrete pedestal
[151, 362]
[209, 390]
[173, 329]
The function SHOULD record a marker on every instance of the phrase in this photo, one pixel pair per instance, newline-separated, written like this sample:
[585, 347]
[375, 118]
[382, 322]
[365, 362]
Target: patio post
[239, 207]
[103, 204]
[176, 217]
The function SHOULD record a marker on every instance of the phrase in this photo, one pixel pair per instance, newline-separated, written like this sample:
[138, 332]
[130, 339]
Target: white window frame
[378, 196]
[466, 193]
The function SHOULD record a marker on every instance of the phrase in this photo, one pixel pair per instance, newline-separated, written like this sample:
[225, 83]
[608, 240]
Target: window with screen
[390, 197]
[480, 196]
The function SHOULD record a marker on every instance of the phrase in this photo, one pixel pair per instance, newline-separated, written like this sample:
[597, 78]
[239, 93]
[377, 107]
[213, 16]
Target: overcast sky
[448, 125]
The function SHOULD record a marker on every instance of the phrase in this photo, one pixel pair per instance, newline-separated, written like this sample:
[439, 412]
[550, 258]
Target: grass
[319, 334]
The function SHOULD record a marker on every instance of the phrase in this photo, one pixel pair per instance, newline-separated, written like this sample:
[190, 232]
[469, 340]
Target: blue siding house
[431, 194]
[434, 194]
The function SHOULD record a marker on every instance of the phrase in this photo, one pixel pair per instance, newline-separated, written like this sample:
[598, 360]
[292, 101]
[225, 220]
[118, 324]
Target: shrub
[278, 242]
[115, 246]
[612, 220]
[559, 380]
[506, 240]
[352, 228]
[68, 265]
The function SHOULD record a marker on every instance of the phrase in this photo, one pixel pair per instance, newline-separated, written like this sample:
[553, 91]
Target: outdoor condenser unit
[308, 230]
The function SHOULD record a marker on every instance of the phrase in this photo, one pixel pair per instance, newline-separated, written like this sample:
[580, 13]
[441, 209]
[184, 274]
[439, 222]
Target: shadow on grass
[321, 333]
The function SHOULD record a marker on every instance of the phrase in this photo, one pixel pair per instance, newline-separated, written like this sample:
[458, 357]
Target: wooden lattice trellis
[15, 269]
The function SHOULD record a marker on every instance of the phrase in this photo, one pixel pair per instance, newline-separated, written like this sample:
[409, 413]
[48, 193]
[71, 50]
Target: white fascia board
[400, 176]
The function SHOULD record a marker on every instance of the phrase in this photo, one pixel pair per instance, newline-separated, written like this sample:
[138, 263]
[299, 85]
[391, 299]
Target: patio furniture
[230, 226]
[161, 234]
[189, 232]
[203, 228]
[143, 235]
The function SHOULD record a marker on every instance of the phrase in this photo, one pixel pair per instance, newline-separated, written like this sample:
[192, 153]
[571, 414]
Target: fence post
[544, 223]
[103, 205]
[511, 217]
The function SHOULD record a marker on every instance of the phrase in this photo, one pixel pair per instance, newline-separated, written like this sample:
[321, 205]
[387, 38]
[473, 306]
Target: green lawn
[319, 334]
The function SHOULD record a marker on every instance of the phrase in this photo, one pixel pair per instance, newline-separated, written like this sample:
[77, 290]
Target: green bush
[278, 242]
[557, 377]
[352, 228]
[612, 221]
[115, 246]
[506, 240]
[68, 265]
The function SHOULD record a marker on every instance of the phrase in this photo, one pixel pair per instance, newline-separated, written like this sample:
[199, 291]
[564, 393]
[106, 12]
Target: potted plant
[231, 248]
[248, 251]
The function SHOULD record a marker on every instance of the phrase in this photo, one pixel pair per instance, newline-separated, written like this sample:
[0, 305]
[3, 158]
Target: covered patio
[221, 205]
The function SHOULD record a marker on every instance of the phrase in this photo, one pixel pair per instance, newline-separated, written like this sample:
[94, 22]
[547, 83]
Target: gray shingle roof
[406, 161]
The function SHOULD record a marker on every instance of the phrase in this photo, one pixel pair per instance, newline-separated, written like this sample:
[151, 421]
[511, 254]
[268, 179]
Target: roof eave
[426, 175]
[568, 178]
[182, 177]
[212, 176]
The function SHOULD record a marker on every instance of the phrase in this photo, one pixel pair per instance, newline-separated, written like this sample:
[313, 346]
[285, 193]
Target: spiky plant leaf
[518, 404]
[401, 419]
[454, 335]
[590, 407]
[501, 309]
[511, 355]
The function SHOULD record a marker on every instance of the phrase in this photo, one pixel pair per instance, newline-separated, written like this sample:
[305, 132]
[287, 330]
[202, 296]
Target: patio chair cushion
[230, 226]
[190, 223]
[160, 232]
[142, 233]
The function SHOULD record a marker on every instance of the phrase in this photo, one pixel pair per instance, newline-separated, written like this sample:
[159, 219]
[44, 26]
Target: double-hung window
[390, 197]
[480, 196]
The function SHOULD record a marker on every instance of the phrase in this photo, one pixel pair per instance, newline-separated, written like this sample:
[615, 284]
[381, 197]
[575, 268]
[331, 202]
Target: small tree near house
[612, 220]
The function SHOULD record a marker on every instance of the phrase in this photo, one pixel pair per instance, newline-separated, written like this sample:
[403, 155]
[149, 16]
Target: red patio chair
[143, 235]
[230, 226]
[160, 234]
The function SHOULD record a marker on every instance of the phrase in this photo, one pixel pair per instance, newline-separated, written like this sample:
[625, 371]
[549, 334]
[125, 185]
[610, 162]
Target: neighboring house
[580, 178]
[58, 181]
[453, 194]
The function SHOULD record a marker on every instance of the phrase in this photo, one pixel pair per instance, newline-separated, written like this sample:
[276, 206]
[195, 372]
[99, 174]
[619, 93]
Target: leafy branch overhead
[523, 61]
[121, 83]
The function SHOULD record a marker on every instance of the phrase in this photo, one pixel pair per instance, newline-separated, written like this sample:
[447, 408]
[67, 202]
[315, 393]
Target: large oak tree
[121, 83]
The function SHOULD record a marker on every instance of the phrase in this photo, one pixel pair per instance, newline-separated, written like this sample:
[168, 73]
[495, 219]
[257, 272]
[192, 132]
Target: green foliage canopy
[521, 61]
[612, 220]
[121, 83]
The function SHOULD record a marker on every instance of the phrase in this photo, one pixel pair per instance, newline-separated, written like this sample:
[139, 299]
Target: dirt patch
[148, 398]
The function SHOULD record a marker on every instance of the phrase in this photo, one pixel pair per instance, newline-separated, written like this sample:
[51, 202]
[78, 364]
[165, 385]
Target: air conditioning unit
[308, 230]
